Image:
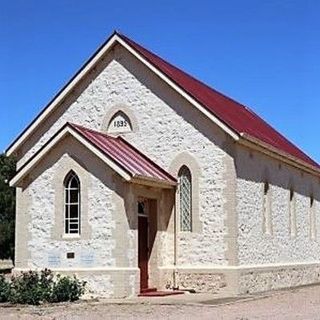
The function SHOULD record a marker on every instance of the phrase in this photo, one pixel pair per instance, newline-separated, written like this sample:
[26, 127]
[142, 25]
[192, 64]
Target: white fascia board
[275, 153]
[93, 61]
[24, 171]
[152, 182]
[61, 96]
[200, 107]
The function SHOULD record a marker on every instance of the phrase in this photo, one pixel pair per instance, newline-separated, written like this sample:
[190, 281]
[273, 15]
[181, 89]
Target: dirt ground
[303, 303]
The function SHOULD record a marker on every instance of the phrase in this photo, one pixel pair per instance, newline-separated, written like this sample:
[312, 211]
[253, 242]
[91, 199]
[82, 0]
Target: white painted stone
[168, 126]
[163, 134]
[255, 247]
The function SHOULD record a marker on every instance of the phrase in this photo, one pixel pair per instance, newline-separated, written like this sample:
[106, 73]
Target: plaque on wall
[87, 259]
[54, 259]
[119, 123]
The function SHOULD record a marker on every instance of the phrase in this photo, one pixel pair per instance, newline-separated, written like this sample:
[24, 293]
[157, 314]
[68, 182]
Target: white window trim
[292, 213]
[312, 217]
[67, 220]
[189, 228]
[267, 210]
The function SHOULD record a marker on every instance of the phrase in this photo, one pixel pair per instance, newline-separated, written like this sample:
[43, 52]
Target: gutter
[254, 143]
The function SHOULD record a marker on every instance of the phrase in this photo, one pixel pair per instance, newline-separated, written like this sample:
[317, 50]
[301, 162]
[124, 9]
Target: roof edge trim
[66, 129]
[153, 182]
[251, 142]
[242, 138]
[180, 90]
[58, 98]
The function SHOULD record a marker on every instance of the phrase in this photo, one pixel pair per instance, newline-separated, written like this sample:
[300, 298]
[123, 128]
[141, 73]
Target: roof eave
[61, 95]
[151, 182]
[69, 129]
[253, 143]
[63, 132]
[243, 138]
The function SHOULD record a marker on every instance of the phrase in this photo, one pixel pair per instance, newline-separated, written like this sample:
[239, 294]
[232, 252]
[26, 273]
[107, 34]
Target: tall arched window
[185, 191]
[292, 213]
[267, 208]
[312, 218]
[72, 204]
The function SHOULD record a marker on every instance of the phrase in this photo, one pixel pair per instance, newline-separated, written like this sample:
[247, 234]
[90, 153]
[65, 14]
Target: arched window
[292, 213]
[72, 204]
[267, 208]
[312, 218]
[185, 191]
[311, 201]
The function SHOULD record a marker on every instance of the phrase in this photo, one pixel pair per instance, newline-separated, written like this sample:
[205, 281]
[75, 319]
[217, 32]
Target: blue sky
[265, 54]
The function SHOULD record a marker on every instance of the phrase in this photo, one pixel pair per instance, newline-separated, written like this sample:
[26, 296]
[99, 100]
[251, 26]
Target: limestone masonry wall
[228, 201]
[281, 246]
[167, 126]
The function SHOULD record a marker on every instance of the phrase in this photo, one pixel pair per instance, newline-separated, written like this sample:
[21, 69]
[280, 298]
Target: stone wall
[255, 246]
[165, 126]
[104, 253]
[277, 277]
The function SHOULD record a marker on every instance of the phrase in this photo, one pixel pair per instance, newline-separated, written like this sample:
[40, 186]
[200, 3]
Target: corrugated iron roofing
[124, 154]
[235, 115]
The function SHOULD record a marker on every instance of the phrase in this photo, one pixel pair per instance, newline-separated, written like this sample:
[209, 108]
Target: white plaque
[87, 259]
[54, 259]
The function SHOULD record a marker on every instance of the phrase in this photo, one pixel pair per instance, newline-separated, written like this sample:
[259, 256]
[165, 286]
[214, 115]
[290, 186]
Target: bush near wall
[7, 207]
[37, 287]
[4, 289]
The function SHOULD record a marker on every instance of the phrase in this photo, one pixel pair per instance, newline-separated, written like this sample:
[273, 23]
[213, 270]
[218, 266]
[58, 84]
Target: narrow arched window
[185, 191]
[312, 218]
[267, 208]
[292, 213]
[72, 204]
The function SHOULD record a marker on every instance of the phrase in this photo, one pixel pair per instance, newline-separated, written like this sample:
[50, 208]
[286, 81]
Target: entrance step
[146, 290]
[156, 293]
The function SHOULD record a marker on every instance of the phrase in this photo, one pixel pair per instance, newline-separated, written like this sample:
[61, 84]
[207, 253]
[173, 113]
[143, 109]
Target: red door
[143, 251]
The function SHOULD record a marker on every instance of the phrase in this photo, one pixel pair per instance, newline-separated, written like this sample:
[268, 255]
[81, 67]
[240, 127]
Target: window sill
[71, 236]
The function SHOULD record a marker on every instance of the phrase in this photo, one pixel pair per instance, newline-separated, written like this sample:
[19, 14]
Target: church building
[138, 176]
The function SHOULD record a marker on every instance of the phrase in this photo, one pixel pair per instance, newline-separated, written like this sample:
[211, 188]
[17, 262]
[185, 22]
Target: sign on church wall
[54, 259]
[119, 123]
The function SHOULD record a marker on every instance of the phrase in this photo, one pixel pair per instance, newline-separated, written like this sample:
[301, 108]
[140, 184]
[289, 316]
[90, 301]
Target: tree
[7, 207]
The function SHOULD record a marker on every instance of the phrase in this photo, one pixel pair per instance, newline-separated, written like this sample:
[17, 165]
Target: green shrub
[67, 289]
[4, 289]
[33, 288]
[7, 207]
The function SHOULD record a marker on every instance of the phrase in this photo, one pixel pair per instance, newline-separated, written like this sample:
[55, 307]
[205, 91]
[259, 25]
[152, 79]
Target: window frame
[267, 210]
[292, 213]
[185, 173]
[312, 217]
[68, 221]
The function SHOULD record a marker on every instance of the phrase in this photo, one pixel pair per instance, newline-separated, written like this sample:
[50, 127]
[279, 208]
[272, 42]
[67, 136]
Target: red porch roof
[125, 155]
[235, 115]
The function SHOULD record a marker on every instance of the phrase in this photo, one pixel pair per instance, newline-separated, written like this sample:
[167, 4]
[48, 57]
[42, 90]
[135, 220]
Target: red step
[156, 293]
[146, 290]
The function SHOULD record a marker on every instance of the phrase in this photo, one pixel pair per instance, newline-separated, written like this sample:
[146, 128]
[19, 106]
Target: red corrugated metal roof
[125, 155]
[235, 115]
